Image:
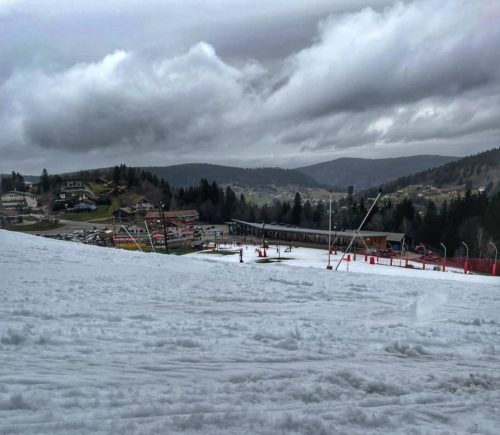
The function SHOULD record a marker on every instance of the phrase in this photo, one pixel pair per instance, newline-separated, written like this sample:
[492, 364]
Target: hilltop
[190, 174]
[478, 171]
[366, 173]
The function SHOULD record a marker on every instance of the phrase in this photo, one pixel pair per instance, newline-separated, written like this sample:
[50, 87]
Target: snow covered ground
[318, 258]
[95, 340]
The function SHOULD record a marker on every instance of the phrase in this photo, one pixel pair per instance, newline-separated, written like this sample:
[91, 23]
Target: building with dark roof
[372, 239]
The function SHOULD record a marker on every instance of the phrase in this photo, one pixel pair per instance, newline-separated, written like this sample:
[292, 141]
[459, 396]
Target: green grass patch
[97, 188]
[102, 211]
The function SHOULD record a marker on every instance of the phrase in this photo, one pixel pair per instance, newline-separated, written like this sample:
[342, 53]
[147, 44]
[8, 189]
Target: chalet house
[17, 200]
[73, 183]
[144, 205]
[188, 217]
[9, 217]
[124, 214]
[179, 230]
[83, 207]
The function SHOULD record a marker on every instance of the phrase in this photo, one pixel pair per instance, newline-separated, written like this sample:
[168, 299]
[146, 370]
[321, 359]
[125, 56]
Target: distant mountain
[479, 170]
[190, 174]
[366, 173]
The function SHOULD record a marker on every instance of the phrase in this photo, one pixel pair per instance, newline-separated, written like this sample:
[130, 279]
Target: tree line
[473, 218]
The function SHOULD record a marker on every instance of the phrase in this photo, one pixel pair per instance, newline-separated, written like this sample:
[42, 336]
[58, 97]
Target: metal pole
[444, 261]
[149, 235]
[359, 229]
[494, 269]
[466, 251]
[162, 215]
[496, 251]
[466, 264]
[329, 267]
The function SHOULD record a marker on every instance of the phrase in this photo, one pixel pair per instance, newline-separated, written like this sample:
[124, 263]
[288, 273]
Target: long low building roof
[394, 237]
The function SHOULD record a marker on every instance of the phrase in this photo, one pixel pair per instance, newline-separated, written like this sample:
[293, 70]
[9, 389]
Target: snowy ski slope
[96, 340]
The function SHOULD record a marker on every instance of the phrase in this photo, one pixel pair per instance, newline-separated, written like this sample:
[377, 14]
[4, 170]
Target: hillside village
[420, 194]
[96, 201]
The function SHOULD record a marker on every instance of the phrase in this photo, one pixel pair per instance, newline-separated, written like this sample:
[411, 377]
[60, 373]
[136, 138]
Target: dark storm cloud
[401, 55]
[277, 84]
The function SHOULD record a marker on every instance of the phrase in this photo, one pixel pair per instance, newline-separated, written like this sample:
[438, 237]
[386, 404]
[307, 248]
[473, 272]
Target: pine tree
[45, 181]
[297, 209]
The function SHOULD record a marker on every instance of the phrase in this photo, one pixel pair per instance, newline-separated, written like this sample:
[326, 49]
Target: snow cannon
[466, 267]
[494, 270]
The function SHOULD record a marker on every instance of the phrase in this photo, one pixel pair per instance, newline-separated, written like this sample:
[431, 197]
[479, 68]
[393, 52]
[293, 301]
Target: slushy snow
[96, 340]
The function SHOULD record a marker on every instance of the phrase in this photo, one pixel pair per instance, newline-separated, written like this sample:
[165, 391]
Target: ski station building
[372, 239]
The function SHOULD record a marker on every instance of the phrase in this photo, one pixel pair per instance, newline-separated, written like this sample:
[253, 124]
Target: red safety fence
[477, 265]
[431, 261]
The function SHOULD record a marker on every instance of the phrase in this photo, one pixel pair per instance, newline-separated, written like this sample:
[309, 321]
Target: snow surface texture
[95, 340]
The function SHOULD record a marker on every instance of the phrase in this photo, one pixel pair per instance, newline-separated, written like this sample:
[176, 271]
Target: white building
[16, 200]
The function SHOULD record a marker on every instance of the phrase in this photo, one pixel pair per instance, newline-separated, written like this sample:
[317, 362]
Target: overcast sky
[244, 82]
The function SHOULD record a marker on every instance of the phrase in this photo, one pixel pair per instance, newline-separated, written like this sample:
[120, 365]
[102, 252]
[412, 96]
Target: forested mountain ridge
[190, 174]
[475, 171]
[366, 173]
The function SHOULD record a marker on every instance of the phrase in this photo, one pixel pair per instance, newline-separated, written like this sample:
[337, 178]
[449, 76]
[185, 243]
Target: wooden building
[372, 239]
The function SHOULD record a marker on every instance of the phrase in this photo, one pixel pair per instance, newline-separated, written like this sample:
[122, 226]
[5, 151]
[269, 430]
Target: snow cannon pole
[444, 258]
[359, 229]
[149, 235]
[494, 268]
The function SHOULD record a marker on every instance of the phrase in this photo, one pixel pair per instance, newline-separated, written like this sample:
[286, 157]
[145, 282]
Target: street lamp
[162, 215]
[494, 271]
[329, 267]
[444, 259]
[263, 239]
[466, 264]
